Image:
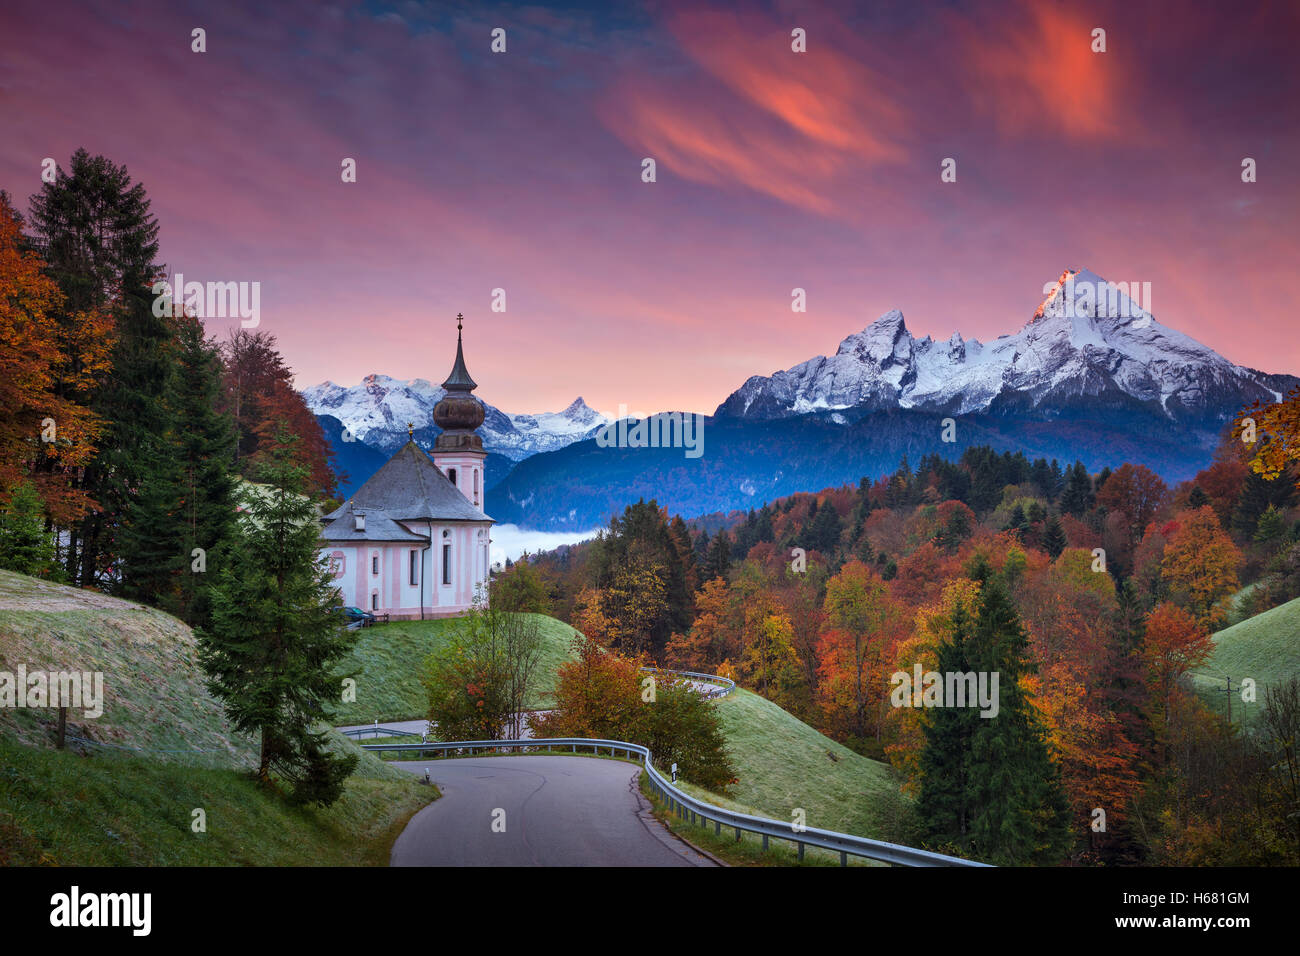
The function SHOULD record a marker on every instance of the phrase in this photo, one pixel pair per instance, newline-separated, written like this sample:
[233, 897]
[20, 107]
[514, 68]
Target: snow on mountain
[1087, 337]
[376, 412]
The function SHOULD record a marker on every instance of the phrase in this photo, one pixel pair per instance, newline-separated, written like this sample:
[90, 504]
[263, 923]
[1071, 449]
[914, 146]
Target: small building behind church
[413, 541]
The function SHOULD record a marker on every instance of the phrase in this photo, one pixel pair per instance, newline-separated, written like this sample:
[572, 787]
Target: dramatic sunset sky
[775, 170]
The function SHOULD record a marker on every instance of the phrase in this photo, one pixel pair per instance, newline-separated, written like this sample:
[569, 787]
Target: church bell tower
[458, 451]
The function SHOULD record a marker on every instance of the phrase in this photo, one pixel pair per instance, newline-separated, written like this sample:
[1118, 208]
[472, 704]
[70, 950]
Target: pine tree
[203, 445]
[943, 804]
[25, 545]
[822, 532]
[1054, 541]
[178, 518]
[1197, 498]
[1019, 811]
[276, 638]
[718, 560]
[1077, 496]
[1017, 522]
[989, 786]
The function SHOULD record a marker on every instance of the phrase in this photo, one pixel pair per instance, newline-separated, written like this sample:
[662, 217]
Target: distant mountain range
[376, 412]
[1092, 375]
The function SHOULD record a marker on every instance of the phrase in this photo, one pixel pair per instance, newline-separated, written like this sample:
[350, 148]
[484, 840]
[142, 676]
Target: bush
[604, 695]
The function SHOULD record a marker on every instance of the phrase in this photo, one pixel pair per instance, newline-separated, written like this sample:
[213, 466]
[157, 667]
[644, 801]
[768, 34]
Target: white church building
[413, 541]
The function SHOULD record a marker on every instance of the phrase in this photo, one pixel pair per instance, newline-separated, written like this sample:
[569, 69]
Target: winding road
[558, 811]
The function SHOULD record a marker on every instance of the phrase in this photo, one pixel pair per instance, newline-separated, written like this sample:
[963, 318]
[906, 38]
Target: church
[413, 541]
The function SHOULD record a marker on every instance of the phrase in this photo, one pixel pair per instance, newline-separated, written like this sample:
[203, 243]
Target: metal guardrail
[359, 732]
[725, 684]
[684, 805]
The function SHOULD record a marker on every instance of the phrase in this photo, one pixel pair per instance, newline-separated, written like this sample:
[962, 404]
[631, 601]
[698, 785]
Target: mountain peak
[887, 336]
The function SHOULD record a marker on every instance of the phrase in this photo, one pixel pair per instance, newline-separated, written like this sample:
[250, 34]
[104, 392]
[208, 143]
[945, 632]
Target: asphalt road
[558, 811]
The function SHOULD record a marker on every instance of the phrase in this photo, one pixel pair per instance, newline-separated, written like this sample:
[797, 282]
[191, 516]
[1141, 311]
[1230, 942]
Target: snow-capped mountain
[376, 412]
[1086, 340]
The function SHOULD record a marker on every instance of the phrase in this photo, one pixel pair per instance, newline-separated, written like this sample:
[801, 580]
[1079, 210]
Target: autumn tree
[862, 625]
[1175, 643]
[1137, 492]
[1200, 566]
[259, 395]
[47, 430]
[1276, 434]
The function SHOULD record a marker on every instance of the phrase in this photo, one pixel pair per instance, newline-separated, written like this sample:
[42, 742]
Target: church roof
[379, 527]
[410, 487]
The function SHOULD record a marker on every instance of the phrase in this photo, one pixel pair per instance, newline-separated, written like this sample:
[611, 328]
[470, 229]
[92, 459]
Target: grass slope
[388, 658]
[1265, 647]
[783, 764]
[165, 748]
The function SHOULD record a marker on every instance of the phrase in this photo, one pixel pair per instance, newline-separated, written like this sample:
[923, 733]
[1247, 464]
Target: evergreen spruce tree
[203, 448]
[1054, 541]
[1077, 496]
[718, 561]
[177, 519]
[989, 786]
[1017, 522]
[25, 545]
[1019, 811]
[1197, 498]
[276, 639]
[822, 532]
[943, 803]
[1257, 494]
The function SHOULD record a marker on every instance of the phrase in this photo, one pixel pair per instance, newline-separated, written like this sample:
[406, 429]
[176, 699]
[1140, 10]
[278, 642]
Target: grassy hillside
[388, 658]
[162, 748]
[1265, 647]
[782, 763]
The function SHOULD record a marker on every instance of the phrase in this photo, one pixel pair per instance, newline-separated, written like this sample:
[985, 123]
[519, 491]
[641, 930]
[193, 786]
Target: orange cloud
[791, 126]
[1038, 72]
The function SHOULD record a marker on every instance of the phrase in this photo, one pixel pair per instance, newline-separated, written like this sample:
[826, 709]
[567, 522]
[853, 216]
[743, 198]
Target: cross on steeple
[410, 430]
[459, 319]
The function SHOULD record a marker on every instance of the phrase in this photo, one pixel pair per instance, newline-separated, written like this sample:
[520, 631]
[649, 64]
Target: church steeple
[459, 413]
[459, 378]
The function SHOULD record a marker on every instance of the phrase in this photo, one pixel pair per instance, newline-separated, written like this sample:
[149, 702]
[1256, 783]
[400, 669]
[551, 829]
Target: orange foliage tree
[1200, 566]
[1175, 644]
[863, 624]
[47, 371]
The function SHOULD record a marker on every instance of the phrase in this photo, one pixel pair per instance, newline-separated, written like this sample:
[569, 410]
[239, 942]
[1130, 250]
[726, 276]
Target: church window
[374, 602]
[374, 564]
[446, 564]
[415, 564]
[451, 475]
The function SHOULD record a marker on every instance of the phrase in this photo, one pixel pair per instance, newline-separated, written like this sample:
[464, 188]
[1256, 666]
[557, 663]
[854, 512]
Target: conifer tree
[202, 444]
[1054, 541]
[1077, 496]
[25, 545]
[717, 562]
[276, 639]
[989, 786]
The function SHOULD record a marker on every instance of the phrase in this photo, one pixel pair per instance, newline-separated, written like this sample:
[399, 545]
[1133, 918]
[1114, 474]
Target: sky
[775, 170]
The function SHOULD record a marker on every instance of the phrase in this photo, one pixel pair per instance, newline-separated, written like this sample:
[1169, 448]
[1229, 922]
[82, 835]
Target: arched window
[446, 557]
[451, 475]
